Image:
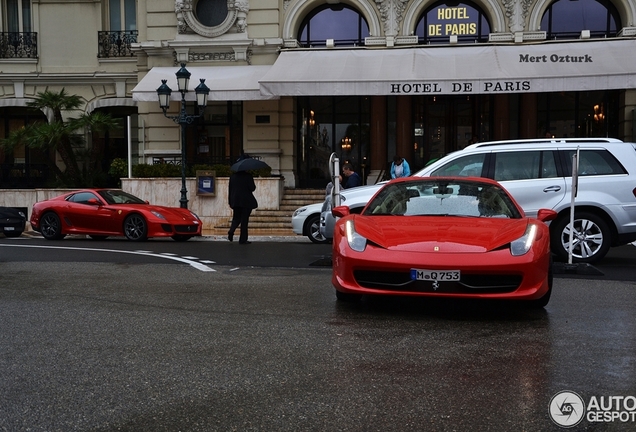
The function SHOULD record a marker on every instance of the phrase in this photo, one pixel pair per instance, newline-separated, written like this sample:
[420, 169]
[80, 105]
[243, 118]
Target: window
[82, 198]
[17, 16]
[524, 165]
[122, 15]
[564, 19]
[466, 166]
[595, 162]
[122, 30]
[578, 114]
[445, 19]
[211, 13]
[333, 21]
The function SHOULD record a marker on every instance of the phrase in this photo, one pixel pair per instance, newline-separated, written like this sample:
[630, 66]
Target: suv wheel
[312, 228]
[591, 237]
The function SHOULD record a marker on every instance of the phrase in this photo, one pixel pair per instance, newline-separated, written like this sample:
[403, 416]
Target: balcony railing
[116, 43]
[18, 45]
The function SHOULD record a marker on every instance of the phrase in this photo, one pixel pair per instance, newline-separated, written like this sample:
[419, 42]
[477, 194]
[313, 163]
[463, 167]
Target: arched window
[449, 18]
[564, 19]
[345, 25]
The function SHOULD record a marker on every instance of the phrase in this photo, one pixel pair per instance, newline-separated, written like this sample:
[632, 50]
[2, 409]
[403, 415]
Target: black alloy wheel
[135, 227]
[51, 226]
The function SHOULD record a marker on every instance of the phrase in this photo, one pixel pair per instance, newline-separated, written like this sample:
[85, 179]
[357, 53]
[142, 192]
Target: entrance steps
[277, 222]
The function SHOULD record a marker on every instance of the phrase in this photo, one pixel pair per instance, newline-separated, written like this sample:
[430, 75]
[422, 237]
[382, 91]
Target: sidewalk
[255, 235]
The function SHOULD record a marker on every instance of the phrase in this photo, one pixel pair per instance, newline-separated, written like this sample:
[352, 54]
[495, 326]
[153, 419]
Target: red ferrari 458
[100, 213]
[443, 237]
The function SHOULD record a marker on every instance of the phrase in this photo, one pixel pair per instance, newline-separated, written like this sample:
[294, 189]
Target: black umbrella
[249, 164]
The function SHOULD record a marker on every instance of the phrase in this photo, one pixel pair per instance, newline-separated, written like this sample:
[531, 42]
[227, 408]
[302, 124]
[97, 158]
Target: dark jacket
[353, 180]
[241, 188]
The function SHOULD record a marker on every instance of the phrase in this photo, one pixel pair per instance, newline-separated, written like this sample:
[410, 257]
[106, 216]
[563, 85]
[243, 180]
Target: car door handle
[555, 188]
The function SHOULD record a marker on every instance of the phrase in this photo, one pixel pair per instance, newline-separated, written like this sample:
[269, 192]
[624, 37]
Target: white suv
[538, 174]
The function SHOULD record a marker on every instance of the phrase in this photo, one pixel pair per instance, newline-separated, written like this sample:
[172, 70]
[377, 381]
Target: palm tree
[67, 138]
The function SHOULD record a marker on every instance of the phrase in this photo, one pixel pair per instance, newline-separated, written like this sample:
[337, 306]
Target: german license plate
[9, 228]
[435, 275]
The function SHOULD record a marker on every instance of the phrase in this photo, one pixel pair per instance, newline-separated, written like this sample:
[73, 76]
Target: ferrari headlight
[194, 215]
[156, 213]
[523, 244]
[356, 241]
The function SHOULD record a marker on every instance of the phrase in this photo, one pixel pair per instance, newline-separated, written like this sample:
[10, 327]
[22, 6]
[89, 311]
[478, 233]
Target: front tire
[348, 297]
[135, 228]
[51, 226]
[312, 228]
[181, 238]
[591, 237]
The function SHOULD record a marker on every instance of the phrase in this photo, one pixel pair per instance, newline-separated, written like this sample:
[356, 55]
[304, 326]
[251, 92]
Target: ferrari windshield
[442, 197]
[116, 196]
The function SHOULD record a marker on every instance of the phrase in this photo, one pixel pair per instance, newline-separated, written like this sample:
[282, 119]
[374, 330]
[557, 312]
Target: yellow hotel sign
[451, 21]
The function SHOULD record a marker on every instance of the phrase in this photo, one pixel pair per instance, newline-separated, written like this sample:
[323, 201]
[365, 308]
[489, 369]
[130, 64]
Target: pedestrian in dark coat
[242, 202]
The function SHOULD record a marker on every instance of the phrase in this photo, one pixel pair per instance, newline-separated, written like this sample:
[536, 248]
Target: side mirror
[340, 211]
[94, 202]
[545, 215]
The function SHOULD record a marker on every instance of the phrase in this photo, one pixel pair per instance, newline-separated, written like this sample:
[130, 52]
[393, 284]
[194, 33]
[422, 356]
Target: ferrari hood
[447, 234]
[172, 213]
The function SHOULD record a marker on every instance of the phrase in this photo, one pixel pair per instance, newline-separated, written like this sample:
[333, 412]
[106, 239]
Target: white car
[306, 221]
[538, 174]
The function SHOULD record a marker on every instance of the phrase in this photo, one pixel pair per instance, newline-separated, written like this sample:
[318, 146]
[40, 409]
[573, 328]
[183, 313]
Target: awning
[225, 83]
[543, 67]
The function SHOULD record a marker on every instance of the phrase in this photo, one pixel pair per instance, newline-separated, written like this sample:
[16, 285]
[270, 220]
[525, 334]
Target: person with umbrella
[241, 196]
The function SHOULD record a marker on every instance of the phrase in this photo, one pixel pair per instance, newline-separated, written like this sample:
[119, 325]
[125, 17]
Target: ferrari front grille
[185, 228]
[469, 284]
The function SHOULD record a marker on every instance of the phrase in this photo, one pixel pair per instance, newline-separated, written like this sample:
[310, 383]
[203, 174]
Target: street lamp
[183, 119]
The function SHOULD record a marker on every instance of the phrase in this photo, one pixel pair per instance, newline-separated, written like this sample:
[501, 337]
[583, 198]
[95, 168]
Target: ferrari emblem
[435, 285]
[119, 211]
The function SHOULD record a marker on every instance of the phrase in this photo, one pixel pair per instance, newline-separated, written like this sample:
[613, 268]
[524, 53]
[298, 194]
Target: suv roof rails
[545, 140]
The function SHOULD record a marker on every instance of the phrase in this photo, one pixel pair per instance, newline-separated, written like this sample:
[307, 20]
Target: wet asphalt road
[162, 346]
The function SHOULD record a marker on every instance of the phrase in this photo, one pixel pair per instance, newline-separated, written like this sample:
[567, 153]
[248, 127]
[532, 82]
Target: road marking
[195, 264]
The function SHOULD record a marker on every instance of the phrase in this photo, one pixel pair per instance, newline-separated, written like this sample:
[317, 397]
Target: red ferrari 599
[101, 213]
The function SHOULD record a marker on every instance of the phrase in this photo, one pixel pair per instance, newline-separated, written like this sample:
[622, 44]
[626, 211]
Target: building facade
[80, 46]
[293, 81]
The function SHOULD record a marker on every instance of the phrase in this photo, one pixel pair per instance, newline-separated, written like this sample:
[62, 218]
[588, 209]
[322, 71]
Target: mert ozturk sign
[500, 85]
[516, 69]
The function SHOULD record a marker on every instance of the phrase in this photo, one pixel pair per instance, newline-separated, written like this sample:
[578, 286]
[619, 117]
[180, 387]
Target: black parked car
[12, 221]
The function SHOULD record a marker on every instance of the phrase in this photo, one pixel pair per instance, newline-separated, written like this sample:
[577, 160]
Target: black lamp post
[183, 119]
